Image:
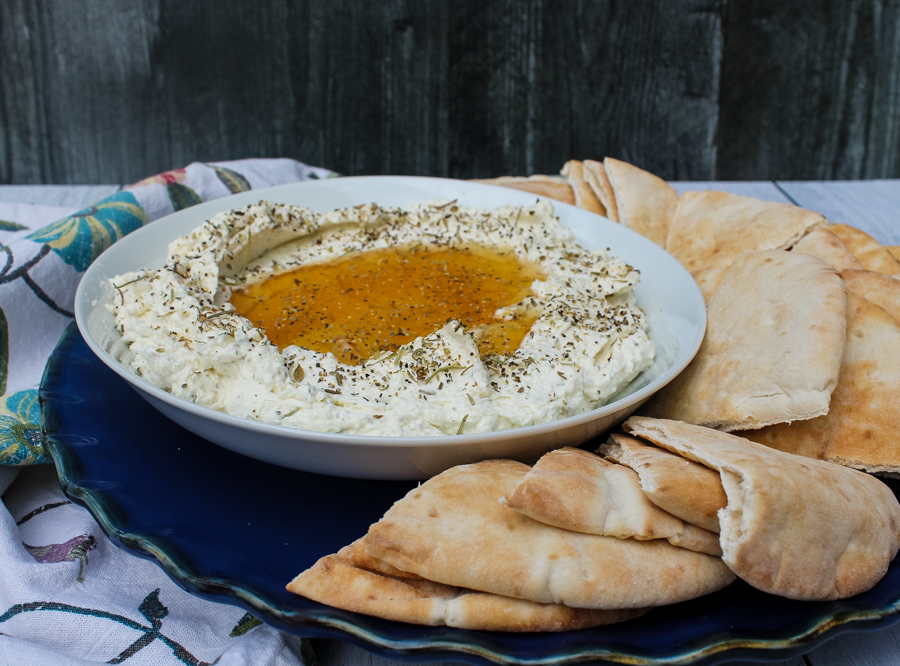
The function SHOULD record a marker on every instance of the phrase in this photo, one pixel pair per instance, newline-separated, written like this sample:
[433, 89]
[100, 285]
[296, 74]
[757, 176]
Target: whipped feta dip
[588, 342]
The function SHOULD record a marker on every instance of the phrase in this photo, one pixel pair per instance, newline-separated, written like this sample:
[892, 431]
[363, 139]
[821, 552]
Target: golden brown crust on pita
[871, 254]
[710, 229]
[355, 555]
[860, 430]
[579, 491]
[576, 490]
[540, 185]
[595, 175]
[452, 529]
[645, 202]
[880, 289]
[824, 244]
[684, 488]
[894, 250]
[773, 346]
[799, 528]
[336, 582]
[585, 198]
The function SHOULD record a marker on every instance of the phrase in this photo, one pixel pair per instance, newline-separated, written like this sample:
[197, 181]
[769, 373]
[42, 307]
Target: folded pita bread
[335, 581]
[860, 430]
[710, 229]
[538, 184]
[585, 198]
[645, 202]
[686, 489]
[595, 175]
[824, 244]
[772, 352]
[871, 254]
[579, 491]
[880, 289]
[894, 250]
[799, 528]
[453, 530]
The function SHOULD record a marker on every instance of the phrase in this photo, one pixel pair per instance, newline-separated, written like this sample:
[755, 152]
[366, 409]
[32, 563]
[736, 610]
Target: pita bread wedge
[541, 185]
[871, 254]
[453, 530]
[880, 289]
[799, 528]
[579, 491]
[860, 430]
[595, 175]
[710, 229]
[686, 489]
[585, 198]
[338, 582]
[825, 245]
[894, 250]
[645, 202]
[772, 352]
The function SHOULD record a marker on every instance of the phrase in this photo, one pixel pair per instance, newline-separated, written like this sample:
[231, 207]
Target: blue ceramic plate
[236, 530]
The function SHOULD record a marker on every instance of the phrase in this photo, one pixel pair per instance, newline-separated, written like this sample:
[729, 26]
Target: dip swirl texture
[588, 342]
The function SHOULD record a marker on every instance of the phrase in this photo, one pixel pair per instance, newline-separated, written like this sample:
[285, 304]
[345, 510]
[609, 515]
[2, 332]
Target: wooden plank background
[110, 91]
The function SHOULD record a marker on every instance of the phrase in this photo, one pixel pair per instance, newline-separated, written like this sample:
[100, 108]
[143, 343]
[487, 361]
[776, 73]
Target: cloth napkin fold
[68, 596]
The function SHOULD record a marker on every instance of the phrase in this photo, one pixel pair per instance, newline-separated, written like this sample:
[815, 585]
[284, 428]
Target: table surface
[873, 206]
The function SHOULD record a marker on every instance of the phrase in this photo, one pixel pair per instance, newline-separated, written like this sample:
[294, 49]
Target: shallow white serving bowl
[667, 293]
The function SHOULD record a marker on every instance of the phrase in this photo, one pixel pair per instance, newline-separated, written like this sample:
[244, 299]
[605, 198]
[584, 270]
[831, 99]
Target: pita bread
[540, 185]
[825, 245]
[772, 352]
[452, 529]
[645, 203]
[579, 491]
[871, 254]
[894, 250]
[880, 289]
[585, 198]
[595, 175]
[799, 528]
[860, 430]
[337, 582]
[710, 229]
[686, 489]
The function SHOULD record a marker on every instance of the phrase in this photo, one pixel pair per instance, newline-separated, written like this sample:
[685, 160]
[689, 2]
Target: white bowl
[667, 294]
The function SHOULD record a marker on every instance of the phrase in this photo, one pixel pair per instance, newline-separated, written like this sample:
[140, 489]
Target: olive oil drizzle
[367, 302]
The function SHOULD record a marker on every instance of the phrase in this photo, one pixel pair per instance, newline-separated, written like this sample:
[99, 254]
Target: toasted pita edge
[871, 254]
[585, 198]
[645, 202]
[595, 175]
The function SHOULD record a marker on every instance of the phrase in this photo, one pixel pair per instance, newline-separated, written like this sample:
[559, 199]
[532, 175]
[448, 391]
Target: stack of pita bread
[667, 513]
[801, 356]
[802, 351]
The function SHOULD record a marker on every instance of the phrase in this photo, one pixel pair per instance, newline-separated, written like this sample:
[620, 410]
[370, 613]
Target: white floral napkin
[67, 595]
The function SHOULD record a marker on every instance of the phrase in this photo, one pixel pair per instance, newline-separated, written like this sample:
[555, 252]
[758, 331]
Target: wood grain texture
[115, 90]
[811, 90]
[871, 205]
[536, 83]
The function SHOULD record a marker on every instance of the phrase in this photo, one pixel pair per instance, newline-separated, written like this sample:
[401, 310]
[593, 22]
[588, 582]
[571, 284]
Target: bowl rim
[84, 307]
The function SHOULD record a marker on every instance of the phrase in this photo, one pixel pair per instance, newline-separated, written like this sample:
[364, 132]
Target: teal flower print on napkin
[20, 430]
[80, 238]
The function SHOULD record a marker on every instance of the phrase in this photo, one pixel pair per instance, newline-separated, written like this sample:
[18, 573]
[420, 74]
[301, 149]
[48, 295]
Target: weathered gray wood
[115, 90]
[810, 90]
[764, 190]
[536, 83]
[872, 205]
